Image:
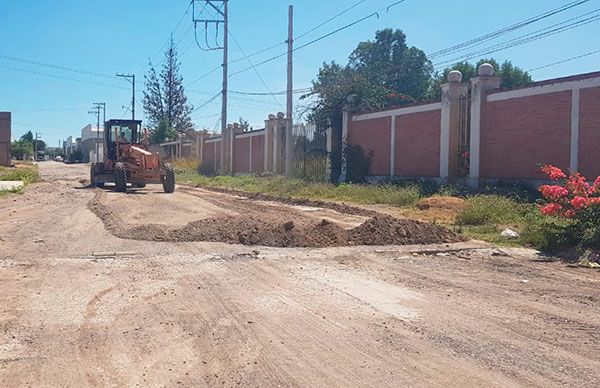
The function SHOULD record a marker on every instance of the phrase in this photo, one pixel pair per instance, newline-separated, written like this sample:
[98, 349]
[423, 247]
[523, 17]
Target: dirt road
[81, 307]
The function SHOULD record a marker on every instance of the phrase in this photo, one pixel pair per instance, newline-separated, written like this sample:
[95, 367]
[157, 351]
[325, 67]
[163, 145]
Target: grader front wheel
[120, 177]
[169, 179]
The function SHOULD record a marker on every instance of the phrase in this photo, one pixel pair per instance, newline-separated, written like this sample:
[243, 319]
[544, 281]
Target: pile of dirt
[267, 230]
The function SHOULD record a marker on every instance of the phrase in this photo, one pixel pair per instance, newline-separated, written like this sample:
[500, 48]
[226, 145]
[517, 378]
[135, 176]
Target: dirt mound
[268, 230]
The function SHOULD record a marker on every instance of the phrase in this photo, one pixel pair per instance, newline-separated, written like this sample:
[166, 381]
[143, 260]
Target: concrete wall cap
[486, 70]
[272, 117]
[455, 76]
[280, 115]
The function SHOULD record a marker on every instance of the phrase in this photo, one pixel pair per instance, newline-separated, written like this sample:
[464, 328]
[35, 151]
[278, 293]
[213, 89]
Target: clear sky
[100, 38]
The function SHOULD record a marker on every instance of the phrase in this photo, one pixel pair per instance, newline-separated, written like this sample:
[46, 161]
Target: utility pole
[225, 84]
[224, 13]
[290, 87]
[96, 112]
[103, 106]
[35, 145]
[130, 78]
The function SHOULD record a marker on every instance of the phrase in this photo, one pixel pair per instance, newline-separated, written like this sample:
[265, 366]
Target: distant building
[90, 136]
[69, 146]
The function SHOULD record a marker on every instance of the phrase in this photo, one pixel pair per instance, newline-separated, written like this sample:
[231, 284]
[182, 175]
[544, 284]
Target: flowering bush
[570, 195]
[575, 203]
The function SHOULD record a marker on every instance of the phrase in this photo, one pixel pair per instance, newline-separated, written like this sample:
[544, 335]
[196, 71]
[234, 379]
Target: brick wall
[519, 133]
[258, 153]
[589, 132]
[212, 154]
[418, 144]
[241, 155]
[373, 136]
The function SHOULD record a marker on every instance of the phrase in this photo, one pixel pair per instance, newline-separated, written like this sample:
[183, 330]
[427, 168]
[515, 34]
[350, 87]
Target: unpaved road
[81, 307]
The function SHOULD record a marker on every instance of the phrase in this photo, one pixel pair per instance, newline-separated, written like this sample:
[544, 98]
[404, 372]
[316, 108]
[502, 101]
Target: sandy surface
[81, 307]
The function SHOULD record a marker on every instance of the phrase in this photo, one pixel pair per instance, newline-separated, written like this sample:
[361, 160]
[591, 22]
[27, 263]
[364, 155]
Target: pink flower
[551, 209]
[579, 203]
[554, 173]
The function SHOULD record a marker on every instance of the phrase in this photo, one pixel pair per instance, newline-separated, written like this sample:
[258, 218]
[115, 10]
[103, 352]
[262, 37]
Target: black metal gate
[464, 136]
[309, 153]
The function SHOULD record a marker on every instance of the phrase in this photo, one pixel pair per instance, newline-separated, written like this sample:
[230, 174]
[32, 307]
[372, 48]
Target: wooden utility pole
[290, 87]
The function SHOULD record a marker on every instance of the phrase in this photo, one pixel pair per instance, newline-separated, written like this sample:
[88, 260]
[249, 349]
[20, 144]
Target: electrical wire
[283, 92]
[503, 31]
[58, 67]
[376, 13]
[554, 29]
[58, 76]
[565, 60]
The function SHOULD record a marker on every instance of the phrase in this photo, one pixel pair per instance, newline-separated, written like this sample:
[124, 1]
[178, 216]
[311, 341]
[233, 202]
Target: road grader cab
[127, 159]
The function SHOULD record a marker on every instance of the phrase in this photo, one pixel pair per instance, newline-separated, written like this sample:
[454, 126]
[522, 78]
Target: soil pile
[269, 230]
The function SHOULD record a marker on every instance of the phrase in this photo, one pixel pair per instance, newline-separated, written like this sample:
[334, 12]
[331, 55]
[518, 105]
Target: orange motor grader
[128, 161]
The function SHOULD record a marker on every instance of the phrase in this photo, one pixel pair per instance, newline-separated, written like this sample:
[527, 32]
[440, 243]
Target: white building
[90, 135]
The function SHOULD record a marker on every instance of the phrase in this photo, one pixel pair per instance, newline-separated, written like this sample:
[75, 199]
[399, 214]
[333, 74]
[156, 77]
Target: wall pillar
[269, 135]
[575, 100]
[452, 92]
[5, 137]
[480, 86]
[345, 124]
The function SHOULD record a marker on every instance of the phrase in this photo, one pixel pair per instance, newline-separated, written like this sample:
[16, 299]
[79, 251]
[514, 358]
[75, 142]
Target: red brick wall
[373, 135]
[418, 144]
[208, 155]
[520, 133]
[258, 153]
[589, 132]
[241, 155]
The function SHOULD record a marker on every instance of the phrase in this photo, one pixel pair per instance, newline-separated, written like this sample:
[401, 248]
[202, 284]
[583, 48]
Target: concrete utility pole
[290, 87]
[35, 145]
[96, 112]
[224, 13]
[225, 83]
[103, 106]
[130, 78]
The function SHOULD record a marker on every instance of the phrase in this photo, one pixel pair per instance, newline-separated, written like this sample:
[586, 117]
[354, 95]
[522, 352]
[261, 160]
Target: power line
[206, 103]
[301, 35]
[58, 76]
[330, 19]
[376, 13]
[565, 60]
[58, 67]
[523, 39]
[505, 30]
[296, 91]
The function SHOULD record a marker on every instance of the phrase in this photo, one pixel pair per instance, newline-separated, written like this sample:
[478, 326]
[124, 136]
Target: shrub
[26, 174]
[358, 164]
[576, 203]
[491, 209]
[207, 169]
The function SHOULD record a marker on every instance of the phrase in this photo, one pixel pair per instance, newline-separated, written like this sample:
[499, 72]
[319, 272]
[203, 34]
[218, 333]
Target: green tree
[381, 73]
[21, 149]
[512, 76]
[28, 137]
[162, 133]
[164, 96]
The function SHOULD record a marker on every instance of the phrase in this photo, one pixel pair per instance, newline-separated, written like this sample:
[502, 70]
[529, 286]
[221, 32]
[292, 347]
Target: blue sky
[109, 36]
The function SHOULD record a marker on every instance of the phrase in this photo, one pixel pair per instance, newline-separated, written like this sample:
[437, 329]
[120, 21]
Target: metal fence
[309, 153]
[464, 138]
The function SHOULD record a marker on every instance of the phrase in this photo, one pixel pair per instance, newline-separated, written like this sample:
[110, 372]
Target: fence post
[452, 92]
[479, 88]
[329, 134]
[345, 123]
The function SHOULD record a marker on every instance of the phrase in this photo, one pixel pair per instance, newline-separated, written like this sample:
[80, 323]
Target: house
[91, 136]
